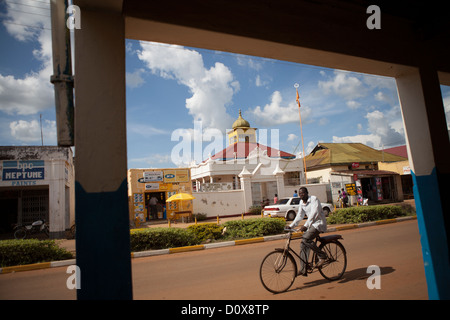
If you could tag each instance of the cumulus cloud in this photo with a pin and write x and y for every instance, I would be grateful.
(382, 133)
(345, 85)
(134, 79)
(212, 89)
(30, 131)
(33, 92)
(277, 112)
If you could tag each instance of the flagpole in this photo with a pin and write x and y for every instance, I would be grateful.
(301, 131)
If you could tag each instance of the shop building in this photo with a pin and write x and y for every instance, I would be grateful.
(37, 183)
(354, 167)
(145, 184)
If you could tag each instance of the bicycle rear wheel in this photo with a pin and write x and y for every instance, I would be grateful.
(336, 263)
(277, 272)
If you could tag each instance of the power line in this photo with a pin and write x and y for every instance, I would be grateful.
(23, 25)
(37, 14)
(27, 5)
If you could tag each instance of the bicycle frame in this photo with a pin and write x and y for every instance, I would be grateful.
(287, 250)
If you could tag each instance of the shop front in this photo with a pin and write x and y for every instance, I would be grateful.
(375, 186)
(148, 190)
(36, 183)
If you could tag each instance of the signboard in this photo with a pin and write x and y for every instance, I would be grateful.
(153, 176)
(176, 175)
(23, 172)
(350, 188)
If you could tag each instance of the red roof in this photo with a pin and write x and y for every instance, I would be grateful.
(398, 151)
(241, 150)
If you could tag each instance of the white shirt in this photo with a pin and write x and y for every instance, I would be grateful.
(313, 209)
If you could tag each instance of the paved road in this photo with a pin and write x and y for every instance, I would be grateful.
(232, 272)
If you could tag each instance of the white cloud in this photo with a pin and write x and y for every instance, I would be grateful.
(134, 79)
(345, 85)
(292, 137)
(353, 104)
(30, 131)
(276, 113)
(34, 92)
(252, 63)
(212, 89)
(372, 140)
(382, 132)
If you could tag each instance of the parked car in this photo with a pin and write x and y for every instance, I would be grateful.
(288, 208)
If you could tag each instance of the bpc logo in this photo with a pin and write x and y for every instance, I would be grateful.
(74, 19)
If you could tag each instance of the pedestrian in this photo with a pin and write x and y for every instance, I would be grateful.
(153, 210)
(275, 199)
(295, 194)
(316, 223)
(344, 198)
(339, 200)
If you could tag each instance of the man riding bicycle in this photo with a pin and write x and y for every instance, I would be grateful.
(315, 224)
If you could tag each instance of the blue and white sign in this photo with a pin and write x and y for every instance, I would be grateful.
(23, 170)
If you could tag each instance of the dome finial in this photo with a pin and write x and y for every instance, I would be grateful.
(241, 122)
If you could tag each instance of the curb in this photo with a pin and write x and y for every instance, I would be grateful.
(54, 264)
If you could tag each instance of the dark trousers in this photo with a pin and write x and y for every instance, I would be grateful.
(308, 244)
(153, 211)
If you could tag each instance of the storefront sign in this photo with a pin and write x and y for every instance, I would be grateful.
(23, 172)
(176, 175)
(350, 188)
(151, 186)
(152, 176)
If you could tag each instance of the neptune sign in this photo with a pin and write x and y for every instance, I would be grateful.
(23, 172)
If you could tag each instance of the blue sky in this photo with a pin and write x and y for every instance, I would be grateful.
(169, 87)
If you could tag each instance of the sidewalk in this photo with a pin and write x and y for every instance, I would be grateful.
(69, 244)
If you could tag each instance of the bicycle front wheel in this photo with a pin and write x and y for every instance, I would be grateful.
(277, 272)
(336, 262)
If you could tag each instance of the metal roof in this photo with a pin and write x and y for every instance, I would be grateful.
(327, 154)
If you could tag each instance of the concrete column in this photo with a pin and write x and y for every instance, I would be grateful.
(57, 199)
(246, 185)
(103, 238)
(428, 152)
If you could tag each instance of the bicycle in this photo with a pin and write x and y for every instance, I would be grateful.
(279, 268)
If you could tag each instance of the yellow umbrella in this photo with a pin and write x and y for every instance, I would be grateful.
(180, 196)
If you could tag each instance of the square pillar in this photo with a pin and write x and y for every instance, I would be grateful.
(428, 151)
(103, 236)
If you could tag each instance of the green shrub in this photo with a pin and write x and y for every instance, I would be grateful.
(161, 238)
(28, 251)
(255, 210)
(365, 214)
(205, 231)
(254, 227)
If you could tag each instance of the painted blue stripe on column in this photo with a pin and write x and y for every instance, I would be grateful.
(434, 235)
(103, 244)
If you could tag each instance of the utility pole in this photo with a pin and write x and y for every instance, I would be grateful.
(62, 77)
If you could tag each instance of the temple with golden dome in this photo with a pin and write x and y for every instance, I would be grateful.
(244, 174)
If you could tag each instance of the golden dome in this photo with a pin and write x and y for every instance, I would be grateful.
(241, 122)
